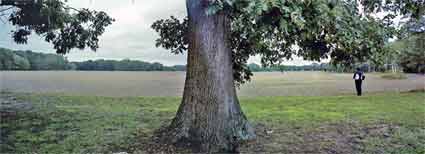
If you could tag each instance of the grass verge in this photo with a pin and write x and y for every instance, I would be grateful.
(394, 76)
(51, 123)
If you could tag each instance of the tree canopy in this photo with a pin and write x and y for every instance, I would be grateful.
(63, 26)
(278, 30)
(410, 8)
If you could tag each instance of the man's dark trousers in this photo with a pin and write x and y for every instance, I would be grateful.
(358, 87)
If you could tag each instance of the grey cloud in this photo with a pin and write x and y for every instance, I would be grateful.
(129, 37)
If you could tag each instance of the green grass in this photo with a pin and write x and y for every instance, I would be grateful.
(71, 124)
(403, 109)
(394, 76)
(92, 124)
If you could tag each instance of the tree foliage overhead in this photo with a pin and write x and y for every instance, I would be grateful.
(411, 8)
(65, 27)
(281, 29)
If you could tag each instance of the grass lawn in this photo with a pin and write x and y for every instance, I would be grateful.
(394, 76)
(375, 123)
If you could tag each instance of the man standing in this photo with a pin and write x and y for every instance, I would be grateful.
(358, 78)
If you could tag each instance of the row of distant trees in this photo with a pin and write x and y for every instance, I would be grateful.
(124, 65)
(312, 67)
(28, 60)
(409, 58)
(326, 67)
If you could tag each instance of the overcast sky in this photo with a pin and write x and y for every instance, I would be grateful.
(130, 36)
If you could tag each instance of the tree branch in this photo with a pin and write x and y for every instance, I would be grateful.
(6, 9)
(70, 8)
(3, 13)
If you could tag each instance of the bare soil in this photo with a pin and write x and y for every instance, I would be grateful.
(121, 84)
(349, 138)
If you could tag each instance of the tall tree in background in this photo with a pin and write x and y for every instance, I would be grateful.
(411, 49)
(220, 36)
(409, 33)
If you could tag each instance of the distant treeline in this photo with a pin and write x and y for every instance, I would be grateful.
(326, 67)
(124, 65)
(28, 60)
(312, 67)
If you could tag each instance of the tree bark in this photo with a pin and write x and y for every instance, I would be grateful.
(209, 117)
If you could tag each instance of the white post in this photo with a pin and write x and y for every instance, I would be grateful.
(392, 68)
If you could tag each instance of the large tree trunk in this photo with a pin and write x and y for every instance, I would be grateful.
(209, 117)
